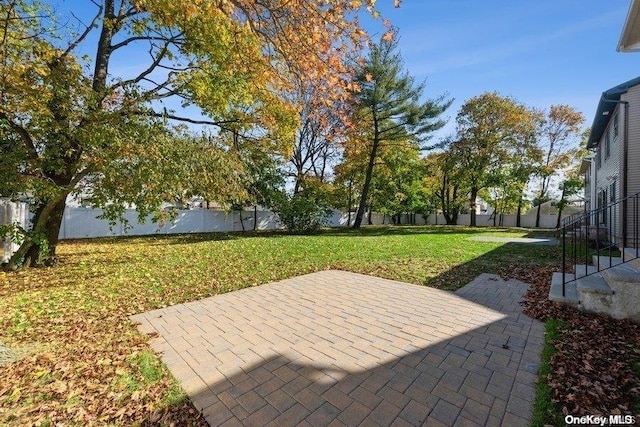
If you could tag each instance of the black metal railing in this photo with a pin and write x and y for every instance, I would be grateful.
(597, 239)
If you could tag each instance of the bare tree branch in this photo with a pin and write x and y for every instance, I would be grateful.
(84, 34)
(172, 40)
(169, 116)
(156, 61)
(24, 136)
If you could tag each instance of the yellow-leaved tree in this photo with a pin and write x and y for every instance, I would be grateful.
(75, 121)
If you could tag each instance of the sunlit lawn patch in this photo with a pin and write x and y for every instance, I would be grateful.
(90, 365)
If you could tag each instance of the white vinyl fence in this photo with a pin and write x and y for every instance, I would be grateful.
(12, 213)
(79, 223)
(526, 221)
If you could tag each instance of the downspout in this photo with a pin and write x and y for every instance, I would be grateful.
(624, 172)
(625, 161)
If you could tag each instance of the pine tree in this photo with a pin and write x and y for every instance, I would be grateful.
(390, 107)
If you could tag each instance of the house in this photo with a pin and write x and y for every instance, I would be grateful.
(630, 37)
(550, 208)
(601, 248)
(612, 170)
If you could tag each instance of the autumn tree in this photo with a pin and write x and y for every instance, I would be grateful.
(509, 183)
(573, 180)
(318, 139)
(389, 108)
(69, 126)
(260, 176)
(349, 172)
(487, 127)
(444, 181)
(396, 186)
(558, 131)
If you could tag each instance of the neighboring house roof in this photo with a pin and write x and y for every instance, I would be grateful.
(549, 208)
(630, 37)
(584, 165)
(606, 106)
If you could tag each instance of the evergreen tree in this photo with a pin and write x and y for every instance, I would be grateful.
(390, 107)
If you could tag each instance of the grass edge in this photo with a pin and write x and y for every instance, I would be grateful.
(545, 411)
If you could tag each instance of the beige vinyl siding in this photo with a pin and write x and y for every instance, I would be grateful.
(610, 172)
(633, 159)
(633, 163)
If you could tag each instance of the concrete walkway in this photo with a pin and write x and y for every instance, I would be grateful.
(339, 348)
(544, 241)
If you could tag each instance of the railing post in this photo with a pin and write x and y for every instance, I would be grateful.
(598, 240)
(635, 223)
(609, 224)
(586, 240)
(564, 258)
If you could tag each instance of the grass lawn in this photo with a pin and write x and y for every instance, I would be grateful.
(86, 363)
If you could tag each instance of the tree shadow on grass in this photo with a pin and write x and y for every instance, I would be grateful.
(507, 260)
(514, 259)
(365, 231)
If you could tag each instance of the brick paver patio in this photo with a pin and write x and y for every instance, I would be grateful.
(339, 348)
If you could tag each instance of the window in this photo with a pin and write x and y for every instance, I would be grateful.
(612, 192)
(602, 203)
(587, 175)
(598, 158)
(615, 126)
(607, 145)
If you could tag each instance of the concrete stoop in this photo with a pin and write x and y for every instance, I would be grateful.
(614, 291)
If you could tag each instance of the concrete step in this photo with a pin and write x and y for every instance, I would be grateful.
(582, 270)
(594, 284)
(622, 274)
(570, 296)
(632, 255)
(596, 295)
(606, 262)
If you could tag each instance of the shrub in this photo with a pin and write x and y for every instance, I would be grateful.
(301, 213)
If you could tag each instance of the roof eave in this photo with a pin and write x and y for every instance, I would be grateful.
(584, 165)
(606, 108)
(630, 36)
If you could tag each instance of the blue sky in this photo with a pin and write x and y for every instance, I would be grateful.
(540, 52)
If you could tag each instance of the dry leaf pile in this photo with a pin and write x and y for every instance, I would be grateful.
(596, 368)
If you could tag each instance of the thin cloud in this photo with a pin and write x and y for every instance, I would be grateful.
(506, 50)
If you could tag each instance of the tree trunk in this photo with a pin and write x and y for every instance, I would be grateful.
(255, 217)
(367, 183)
(519, 212)
(101, 70)
(559, 220)
(560, 208)
(472, 206)
(349, 202)
(447, 218)
(538, 214)
(39, 248)
(241, 220)
(296, 188)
